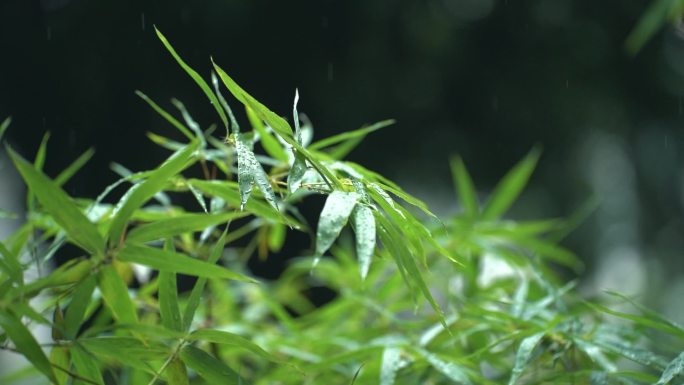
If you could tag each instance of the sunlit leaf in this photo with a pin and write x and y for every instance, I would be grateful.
(163, 260)
(60, 206)
(25, 343)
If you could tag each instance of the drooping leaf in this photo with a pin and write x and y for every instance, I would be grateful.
(212, 370)
(60, 206)
(168, 296)
(673, 369)
(525, 350)
(76, 310)
(86, 366)
(197, 290)
(465, 187)
(364, 227)
(145, 190)
(231, 339)
(510, 187)
(391, 358)
(250, 171)
(185, 223)
(196, 77)
(25, 343)
(336, 211)
(115, 294)
(176, 263)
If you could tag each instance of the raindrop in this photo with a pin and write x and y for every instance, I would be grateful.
(142, 21)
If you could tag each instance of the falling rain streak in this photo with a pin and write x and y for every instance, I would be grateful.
(142, 21)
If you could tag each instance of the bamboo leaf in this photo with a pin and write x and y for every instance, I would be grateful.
(176, 263)
(75, 313)
(455, 372)
(336, 211)
(168, 297)
(465, 187)
(115, 294)
(176, 373)
(250, 171)
(183, 224)
(391, 358)
(126, 350)
(510, 187)
(59, 357)
(86, 366)
(673, 369)
(25, 343)
(169, 118)
(268, 141)
(143, 191)
(208, 367)
(231, 339)
(60, 206)
(73, 168)
(650, 22)
(525, 350)
(348, 141)
(4, 125)
(196, 77)
(364, 227)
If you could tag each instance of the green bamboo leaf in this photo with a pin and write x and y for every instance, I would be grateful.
(60, 206)
(59, 358)
(208, 367)
(168, 296)
(198, 197)
(169, 118)
(391, 358)
(76, 311)
(673, 369)
(140, 193)
(634, 353)
(25, 343)
(128, 351)
(268, 141)
(115, 294)
(347, 141)
(510, 187)
(86, 366)
(176, 373)
(525, 350)
(73, 168)
(198, 289)
(363, 223)
(196, 77)
(449, 369)
(177, 263)
(465, 187)
(650, 22)
(596, 354)
(336, 211)
(4, 125)
(231, 339)
(250, 171)
(183, 224)
(11, 264)
(647, 321)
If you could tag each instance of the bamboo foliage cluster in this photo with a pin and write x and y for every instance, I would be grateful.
(416, 301)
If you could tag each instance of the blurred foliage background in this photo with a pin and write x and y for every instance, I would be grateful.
(482, 78)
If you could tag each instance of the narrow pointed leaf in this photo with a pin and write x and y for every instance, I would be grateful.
(391, 358)
(364, 227)
(196, 77)
(177, 263)
(673, 369)
(523, 356)
(168, 296)
(250, 171)
(449, 369)
(225, 338)
(86, 366)
(183, 224)
(208, 367)
(336, 211)
(115, 294)
(169, 118)
(268, 141)
(73, 168)
(145, 190)
(197, 290)
(350, 135)
(59, 358)
(176, 373)
(510, 187)
(25, 343)
(4, 125)
(80, 300)
(60, 206)
(465, 187)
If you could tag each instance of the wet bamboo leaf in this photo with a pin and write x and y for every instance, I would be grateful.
(465, 187)
(208, 367)
(523, 355)
(336, 211)
(364, 227)
(176, 263)
(296, 174)
(391, 358)
(140, 193)
(673, 369)
(60, 206)
(115, 294)
(25, 343)
(268, 141)
(196, 77)
(185, 223)
(250, 171)
(75, 313)
(510, 187)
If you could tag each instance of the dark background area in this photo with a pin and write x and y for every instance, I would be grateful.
(481, 78)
